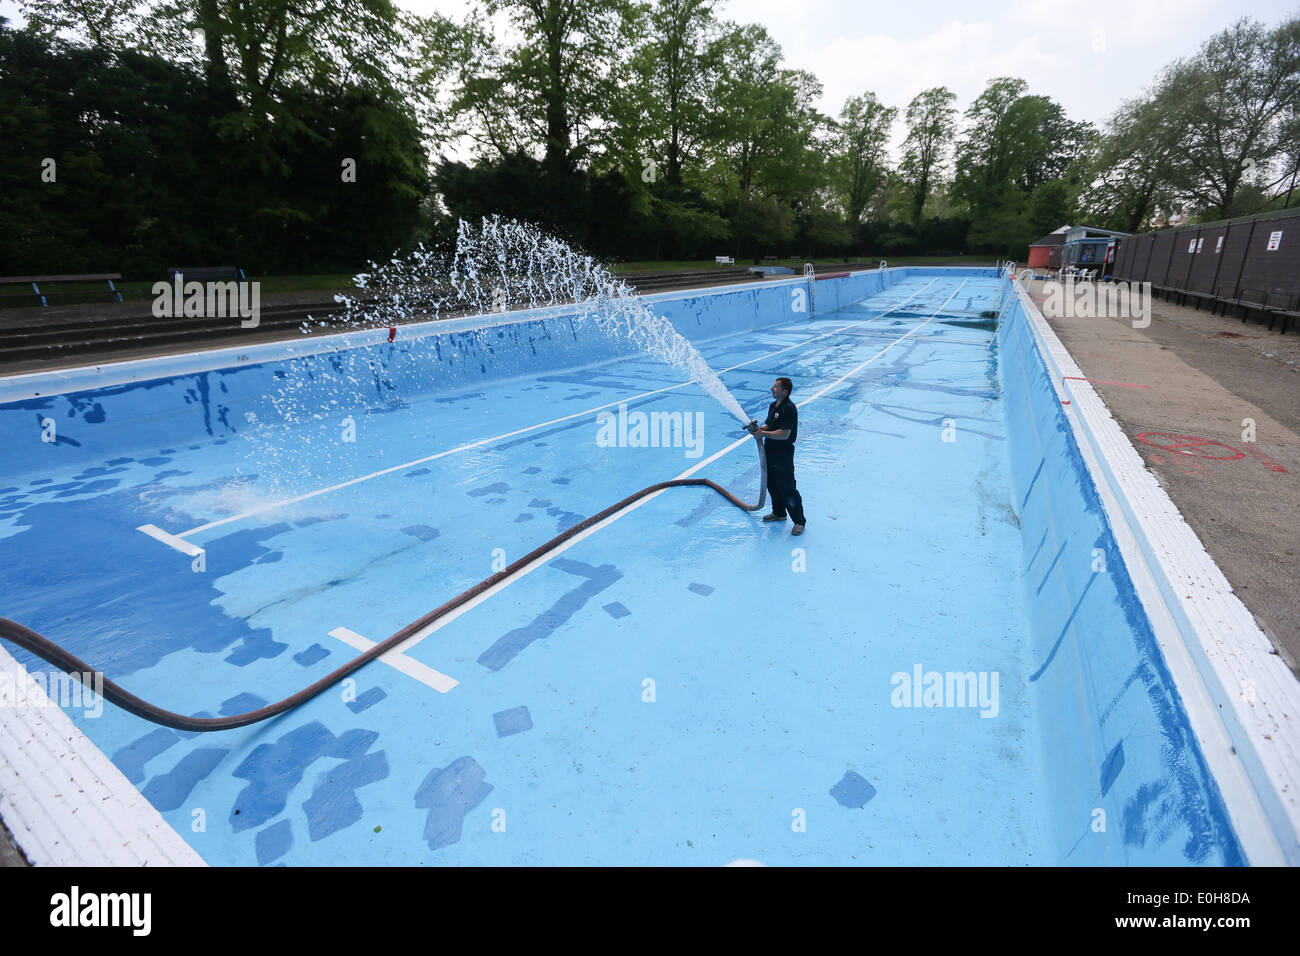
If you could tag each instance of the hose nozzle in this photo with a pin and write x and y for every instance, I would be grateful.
(752, 427)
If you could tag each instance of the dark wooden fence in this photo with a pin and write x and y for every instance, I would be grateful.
(1247, 263)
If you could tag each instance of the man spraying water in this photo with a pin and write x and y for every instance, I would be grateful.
(779, 433)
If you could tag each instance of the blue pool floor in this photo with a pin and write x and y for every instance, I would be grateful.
(684, 686)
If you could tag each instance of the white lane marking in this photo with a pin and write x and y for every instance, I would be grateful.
(588, 532)
(396, 659)
(171, 540)
(555, 421)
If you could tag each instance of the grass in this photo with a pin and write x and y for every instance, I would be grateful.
(700, 264)
(64, 292)
(872, 260)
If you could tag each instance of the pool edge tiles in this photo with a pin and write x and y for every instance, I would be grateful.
(1192, 637)
(65, 802)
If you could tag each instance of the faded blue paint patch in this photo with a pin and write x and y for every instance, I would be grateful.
(522, 517)
(513, 721)
(316, 519)
(190, 734)
(496, 488)
(241, 704)
(273, 842)
(448, 794)
(532, 470)
(853, 791)
(333, 804)
(273, 770)
(311, 655)
(367, 700)
(559, 481)
(421, 531)
(509, 645)
(168, 791)
(564, 519)
(616, 610)
(91, 487)
(1111, 767)
(132, 758)
(417, 473)
(702, 589)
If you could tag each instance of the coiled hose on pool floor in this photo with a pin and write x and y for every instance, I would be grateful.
(47, 650)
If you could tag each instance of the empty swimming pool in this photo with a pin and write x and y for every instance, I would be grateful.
(949, 667)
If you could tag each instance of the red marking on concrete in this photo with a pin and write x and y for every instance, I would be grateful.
(1267, 462)
(1189, 445)
(392, 332)
(1064, 402)
(1097, 381)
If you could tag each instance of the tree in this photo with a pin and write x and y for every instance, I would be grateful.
(1127, 173)
(1236, 101)
(675, 69)
(764, 119)
(140, 185)
(108, 24)
(930, 121)
(767, 158)
(985, 154)
(567, 70)
(861, 158)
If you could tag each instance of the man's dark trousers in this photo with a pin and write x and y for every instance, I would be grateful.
(780, 482)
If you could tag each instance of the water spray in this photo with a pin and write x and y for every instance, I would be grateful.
(501, 264)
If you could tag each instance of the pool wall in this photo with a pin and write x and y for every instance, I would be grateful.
(1129, 785)
(172, 400)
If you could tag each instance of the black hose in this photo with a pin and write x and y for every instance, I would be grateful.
(63, 659)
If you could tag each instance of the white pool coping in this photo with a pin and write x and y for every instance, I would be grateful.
(1241, 699)
(64, 801)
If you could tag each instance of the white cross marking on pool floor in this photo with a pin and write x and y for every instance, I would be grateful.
(396, 659)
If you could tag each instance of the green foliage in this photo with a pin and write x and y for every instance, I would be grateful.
(149, 173)
(214, 130)
(860, 163)
(931, 118)
(1012, 164)
(1218, 135)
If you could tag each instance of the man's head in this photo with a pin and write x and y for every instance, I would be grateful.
(782, 388)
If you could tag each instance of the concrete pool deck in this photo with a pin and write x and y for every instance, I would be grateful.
(1191, 379)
